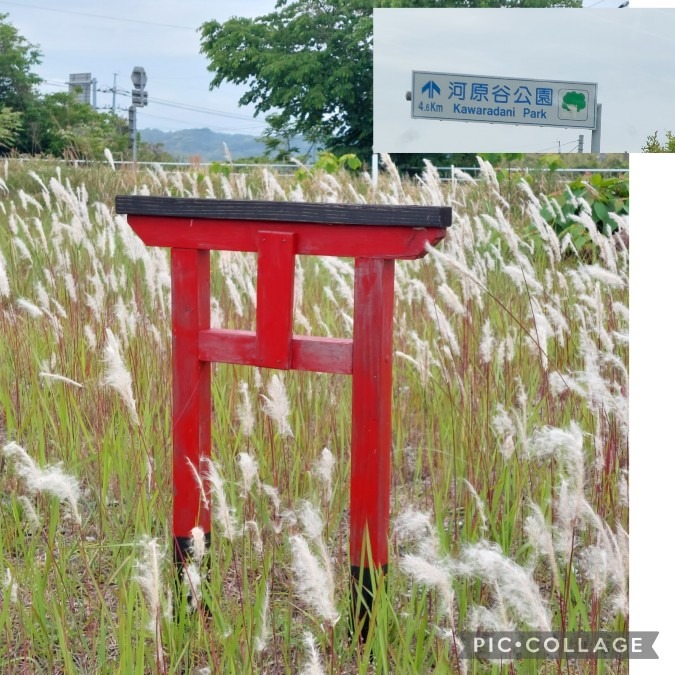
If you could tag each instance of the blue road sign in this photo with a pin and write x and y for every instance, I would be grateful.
(482, 98)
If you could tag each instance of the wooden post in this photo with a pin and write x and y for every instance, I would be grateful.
(190, 311)
(371, 431)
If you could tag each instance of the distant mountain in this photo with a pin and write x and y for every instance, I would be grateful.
(204, 143)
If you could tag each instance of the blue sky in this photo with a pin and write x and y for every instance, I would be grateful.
(161, 35)
(77, 36)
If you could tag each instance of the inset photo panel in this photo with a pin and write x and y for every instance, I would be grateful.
(527, 80)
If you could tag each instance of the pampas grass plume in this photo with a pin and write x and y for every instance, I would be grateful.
(149, 577)
(50, 479)
(312, 581)
(220, 510)
(277, 406)
(313, 665)
(116, 374)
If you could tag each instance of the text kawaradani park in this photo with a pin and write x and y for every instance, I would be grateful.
(475, 98)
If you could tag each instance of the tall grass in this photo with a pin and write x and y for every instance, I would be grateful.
(510, 462)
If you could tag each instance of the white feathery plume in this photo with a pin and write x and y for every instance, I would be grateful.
(263, 636)
(457, 647)
(491, 619)
(516, 585)
(11, 587)
(4, 280)
(540, 537)
(149, 470)
(252, 526)
(480, 506)
(313, 665)
(235, 296)
(311, 521)
(412, 525)
(249, 472)
(569, 445)
(416, 527)
(217, 314)
(245, 411)
(622, 488)
(313, 581)
(220, 510)
(109, 157)
(273, 495)
(192, 580)
(277, 406)
(50, 479)
(116, 375)
(451, 299)
(604, 276)
(30, 513)
(31, 309)
(198, 544)
(149, 578)
(323, 470)
(506, 431)
(90, 337)
(435, 575)
(22, 249)
(487, 343)
(59, 378)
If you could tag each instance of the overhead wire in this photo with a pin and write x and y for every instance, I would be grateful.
(23, 5)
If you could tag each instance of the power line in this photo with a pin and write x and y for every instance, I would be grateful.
(170, 104)
(555, 147)
(96, 16)
(191, 108)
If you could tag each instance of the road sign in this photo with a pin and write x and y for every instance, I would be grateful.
(79, 84)
(139, 78)
(139, 97)
(477, 98)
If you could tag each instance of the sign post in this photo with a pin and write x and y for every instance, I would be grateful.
(376, 236)
(139, 98)
(506, 100)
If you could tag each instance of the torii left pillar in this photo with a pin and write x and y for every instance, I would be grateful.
(375, 236)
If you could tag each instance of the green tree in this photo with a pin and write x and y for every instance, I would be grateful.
(311, 62)
(654, 145)
(17, 58)
(60, 125)
(10, 126)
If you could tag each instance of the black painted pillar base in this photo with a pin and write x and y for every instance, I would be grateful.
(363, 586)
(182, 556)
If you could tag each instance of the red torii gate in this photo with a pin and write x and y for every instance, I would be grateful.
(376, 236)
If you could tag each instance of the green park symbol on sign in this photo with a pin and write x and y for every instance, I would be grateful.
(573, 105)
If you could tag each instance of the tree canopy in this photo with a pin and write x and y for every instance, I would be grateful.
(653, 143)
(17, 58)
(53, 124)
(311, 63)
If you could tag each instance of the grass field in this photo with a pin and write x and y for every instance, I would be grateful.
(510, 440)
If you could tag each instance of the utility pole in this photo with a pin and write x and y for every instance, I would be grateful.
(114, 90)
(581, 143)
(93, 93)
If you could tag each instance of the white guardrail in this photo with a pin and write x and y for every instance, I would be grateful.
(446, 172)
